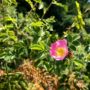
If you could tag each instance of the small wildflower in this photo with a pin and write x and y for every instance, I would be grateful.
(59, 49)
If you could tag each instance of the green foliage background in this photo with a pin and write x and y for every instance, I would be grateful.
(28, 31)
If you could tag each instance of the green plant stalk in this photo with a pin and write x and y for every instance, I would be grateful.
(7, 74)
(32, 9)
(46, 10)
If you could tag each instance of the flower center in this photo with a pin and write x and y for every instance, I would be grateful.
(60, 51)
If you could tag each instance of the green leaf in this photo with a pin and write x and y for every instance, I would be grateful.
(12, 36)
(73, 47)
(87, 21)
(9, 19)
(50, 20)
(75, 43)
(39, 46)
(88, 57)
(76, 37)
(60, 5)
(42, 45)
(38, 1)
(36, 47)
(37, 24)
(11, 33)
(41, 6)
(23, 85)
(78, 64)
(31, 4)
(69, 37)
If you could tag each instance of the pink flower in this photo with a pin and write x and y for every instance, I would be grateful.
(59, 49)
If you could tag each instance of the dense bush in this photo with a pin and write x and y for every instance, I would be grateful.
(28, 28)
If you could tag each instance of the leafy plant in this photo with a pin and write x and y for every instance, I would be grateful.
(13, 81)
(29, 35)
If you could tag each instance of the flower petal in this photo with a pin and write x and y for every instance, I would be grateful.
(59, 49)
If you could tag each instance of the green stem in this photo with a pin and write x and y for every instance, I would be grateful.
(34, 6)
(46, 10)
(6, 68)
(6, 72)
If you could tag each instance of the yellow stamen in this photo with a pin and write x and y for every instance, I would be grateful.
(60, 51)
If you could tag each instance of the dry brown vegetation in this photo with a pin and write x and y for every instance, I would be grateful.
(42, 80)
